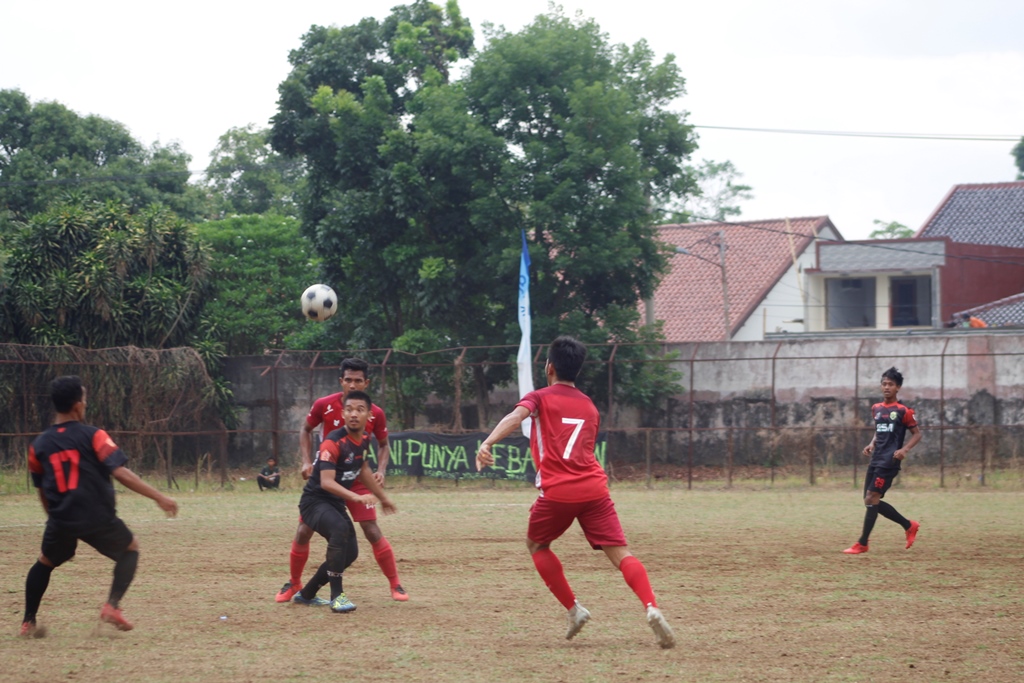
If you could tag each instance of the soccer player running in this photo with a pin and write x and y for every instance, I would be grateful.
(572, 485)
(892, 422)
(71, 465)
(326, 411)
(330, 488)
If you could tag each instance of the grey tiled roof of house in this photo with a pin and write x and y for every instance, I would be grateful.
(850, 257)
(990, 214)
(1007, 312)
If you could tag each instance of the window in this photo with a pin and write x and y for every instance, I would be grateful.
(911, 299)
(850, 302)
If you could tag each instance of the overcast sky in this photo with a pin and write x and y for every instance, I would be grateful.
(188, 71)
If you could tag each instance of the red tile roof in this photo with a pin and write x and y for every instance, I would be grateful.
(758, 253)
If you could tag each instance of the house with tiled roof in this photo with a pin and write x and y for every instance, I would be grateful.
(736, 281)
(988, 213)
(1006, 312)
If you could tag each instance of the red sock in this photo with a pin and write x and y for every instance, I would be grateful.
(297, 562)
(635, 574)
(550, 569)
(385, 557)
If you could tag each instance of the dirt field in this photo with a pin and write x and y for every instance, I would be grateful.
(753, 582)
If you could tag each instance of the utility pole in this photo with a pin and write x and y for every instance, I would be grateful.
(725, 282)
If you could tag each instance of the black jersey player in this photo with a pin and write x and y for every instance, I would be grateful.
(338, 465)
(72, 464)
(887, 449)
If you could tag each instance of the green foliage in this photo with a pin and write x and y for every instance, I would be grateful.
(46, 150)
(1018, 155)
(95, 274)
(890, 231)
(259, 267)
(717, 198)
(418, 186)
(246, 176)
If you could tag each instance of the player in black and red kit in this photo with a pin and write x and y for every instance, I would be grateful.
(572, 485)
(71, 465)
(339, 464)
(892, 422)
(326, 414)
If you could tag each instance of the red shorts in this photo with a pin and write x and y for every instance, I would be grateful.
(360, 512)
(598, 519)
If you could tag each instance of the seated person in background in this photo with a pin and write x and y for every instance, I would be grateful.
(270, 476)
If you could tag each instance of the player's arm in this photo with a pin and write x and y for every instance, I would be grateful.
(383, 458)
(870, 448)
(915, 437)
(508, 424)
(305, 448)
(42, 499)
(130, 480)
(369, 480)
(332, 487)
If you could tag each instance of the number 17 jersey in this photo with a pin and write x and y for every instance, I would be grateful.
(565, 425)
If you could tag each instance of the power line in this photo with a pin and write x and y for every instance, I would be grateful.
(965, 137)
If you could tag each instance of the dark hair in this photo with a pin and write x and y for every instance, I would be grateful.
(65, 392)
(359, 396)
(356, 364)
(566, 355)
(270, 457)
(893, 374)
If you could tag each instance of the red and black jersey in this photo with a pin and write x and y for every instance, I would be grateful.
(565, 425)
(339, 456)
(71, 464)
(327, 411)
(892, 421)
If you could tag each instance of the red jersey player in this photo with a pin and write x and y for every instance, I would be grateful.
(572, 484)
(326, 413)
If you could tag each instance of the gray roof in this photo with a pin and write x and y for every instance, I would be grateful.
(990, 214)
(1008, 312)
(851, 257)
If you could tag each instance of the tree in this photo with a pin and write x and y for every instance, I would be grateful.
(94, 274)
(246, 176)
(47, 150)
(890, 231)
(418, 187)
(1018, 154)
(717, 196)
(259, 266)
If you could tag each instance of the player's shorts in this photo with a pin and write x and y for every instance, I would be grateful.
(597, 518)
(879, 479)
(325, 517)
(110, 540)
(359, 511)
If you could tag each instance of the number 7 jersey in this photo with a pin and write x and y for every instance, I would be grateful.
(565, 425)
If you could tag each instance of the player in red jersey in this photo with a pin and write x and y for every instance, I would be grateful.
(892, 422)
(71, 465)
(572, 484)
(326, 413)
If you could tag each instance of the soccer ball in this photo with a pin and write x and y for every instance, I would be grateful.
(319, 302)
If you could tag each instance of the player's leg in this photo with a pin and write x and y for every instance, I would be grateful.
(117, 542)
(342, 550)
(547, 522)
(297, 559)
(57, 548)
(366, 515)
(873, 483)
(910, 527)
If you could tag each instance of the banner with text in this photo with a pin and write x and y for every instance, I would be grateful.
(453, 456)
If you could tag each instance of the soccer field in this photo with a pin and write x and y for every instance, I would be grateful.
(753, 582)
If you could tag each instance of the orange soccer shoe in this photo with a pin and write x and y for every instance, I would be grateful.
(112, 615)
(856, 549)
(398, 593)
(29, 629)
(912, 533)
(287, 592)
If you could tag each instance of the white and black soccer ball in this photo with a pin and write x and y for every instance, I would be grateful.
(319, 302)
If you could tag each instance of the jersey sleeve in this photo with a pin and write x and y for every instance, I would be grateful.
(910, 419)
(35, 467)
(316, 414)
(107, 451)
(380, 424)
(329, 453)
(531, 402)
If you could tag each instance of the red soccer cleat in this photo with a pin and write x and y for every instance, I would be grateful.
(398, 593)
(287, 592)
(912, 533)
(112, 615)
(856, 549)
(29, 629)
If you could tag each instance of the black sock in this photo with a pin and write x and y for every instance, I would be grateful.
(35, 585)
(336, 589)
(316, 583)
(870, 515)
(889, 512)
(124, 572)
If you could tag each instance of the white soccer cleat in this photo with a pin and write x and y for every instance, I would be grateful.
(662, 631)
(578, 616)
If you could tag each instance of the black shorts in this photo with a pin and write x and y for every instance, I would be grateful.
(879, 479)
(111, 540)
(324, 517)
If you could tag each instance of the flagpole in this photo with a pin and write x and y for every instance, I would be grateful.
(524, 359)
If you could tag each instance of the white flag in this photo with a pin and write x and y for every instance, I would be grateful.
(524, 360)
